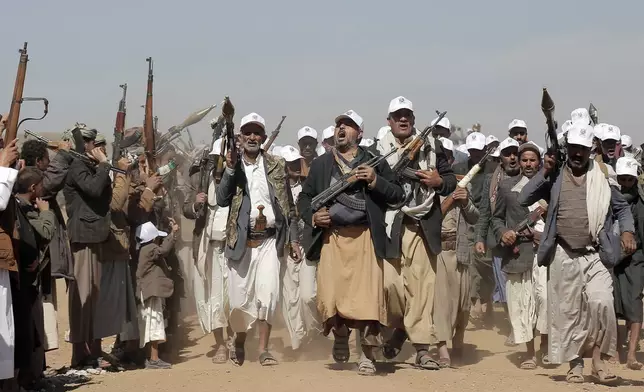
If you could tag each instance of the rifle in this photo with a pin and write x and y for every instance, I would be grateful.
(16, 102)
(527, 224)
(552, 145)
(448, 202)
(78, 141)
(175, 131)
(206, 163)
(334, 191)
(413, 148)
(227, 113)
(274, 134)
(119, 127)
(148, 122)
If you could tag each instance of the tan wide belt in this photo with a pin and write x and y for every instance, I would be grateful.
(256, 238)
(448, 245)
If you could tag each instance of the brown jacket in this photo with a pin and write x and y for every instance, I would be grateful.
(128, 201)
(152, 273)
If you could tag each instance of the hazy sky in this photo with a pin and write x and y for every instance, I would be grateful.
(480, 61)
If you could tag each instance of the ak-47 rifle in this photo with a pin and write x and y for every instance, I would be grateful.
(148, 122)
(119, 127)
(448, 202)
(16, 102)
(336, 190)
(552, 145)
(229, 145)
(274, 134)
(524, 228)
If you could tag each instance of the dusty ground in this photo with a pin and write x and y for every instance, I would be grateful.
(490, 366)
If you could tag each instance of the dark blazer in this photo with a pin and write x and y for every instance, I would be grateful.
(386, 191)
(88, 193)
(430, 223)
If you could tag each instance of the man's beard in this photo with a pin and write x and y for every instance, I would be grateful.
(512, 171)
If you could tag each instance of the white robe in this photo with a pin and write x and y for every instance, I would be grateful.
(7, 332)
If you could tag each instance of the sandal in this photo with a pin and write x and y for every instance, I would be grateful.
(545, 361)
(237, 355)
(221, 355)
(367, 367)
(575, 375)
(267, 359)
(393, 346)
(604, 376)
(634, 364)
(341, 351)
(529, 364)
(444, 363)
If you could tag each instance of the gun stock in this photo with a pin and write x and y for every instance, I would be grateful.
(463, 181)
(148, 123)
(274, 135)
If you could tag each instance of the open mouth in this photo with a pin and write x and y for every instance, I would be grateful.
(342, 134)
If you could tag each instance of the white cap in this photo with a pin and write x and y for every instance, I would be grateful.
(276, 150)
(475, 141)
(566, 126)
(366, 142)
(516, 123)
(382, 132)
(444, 122)
(581, 134)
(216, 147)
(506, 143)
(626, 167)
(399, 103)
(580, 115)
(609, 132)
(290, 153)
(253, 118)
(353, 116)
(627, 141)
(307, 132)
(447, 144)
(147, 232)
(320, 150)
(463, 148)
(328, 132)
(490, 139)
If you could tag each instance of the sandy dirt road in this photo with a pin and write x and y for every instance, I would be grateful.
(490, 366)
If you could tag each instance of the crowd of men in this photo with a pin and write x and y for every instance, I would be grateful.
(392, 256)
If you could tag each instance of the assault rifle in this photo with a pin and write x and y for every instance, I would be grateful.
(413, 148)
(119, 127)
(524, 228)
(274, 134)
(148, 122)
(334, 191)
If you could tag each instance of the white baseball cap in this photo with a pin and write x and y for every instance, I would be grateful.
(253, 118)
(627, 166)
(580, 115)
(366, 142)
(399, 103)
(627, 141)
(490, 139)
(516, 123)
(353, 116)
(506, 143)
(216, 147)
(581, 134)
(276, 150)
(463, 148)
(290, 153)
(475, 141)
(307, 132)
(610, 132)
(447, 144)
(328, 132)
(444, 122)
(382, 132)
(148, 232)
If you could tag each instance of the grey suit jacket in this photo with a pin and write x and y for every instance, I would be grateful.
(540, 187)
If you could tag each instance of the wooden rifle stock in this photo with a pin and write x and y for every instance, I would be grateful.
(119, 127)
(148, 123)
(274, 135)
(463, 181)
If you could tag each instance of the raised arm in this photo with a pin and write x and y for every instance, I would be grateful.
(226, 188)
(120, 192)
(54, 176)
(7, 179)
(536, 189)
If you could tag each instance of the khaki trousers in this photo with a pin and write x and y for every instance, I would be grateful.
(452, 303)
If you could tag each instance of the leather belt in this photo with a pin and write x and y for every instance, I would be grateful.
(256, 238)
(448, 236)
(448, 245)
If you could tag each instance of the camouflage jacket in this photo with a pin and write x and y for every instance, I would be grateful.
(233, 192)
